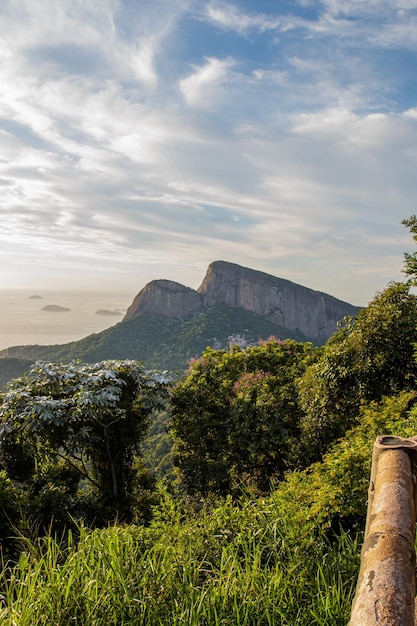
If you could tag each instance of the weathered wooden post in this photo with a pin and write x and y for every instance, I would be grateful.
(386, 585)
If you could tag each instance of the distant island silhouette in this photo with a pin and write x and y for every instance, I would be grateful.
(107, 312)
(54, 308)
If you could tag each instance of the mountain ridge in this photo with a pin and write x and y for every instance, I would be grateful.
(169, 323)
(288, 304)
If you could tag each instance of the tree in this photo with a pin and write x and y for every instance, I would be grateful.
(333, 493)
(368, 358)
(410, 267)
(236, 416)
(86, 420)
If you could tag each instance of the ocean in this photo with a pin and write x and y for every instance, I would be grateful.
(23, 322)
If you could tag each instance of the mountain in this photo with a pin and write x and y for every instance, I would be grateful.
(168, 323)
(282, 302)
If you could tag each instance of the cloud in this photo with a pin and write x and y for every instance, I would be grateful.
(101, 39)
(371, 24)
(147, 141)
(372, 8)
(230, 17)
(201, 86)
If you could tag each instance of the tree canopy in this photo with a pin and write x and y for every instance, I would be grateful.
(410, 260)
(370, 357)
(236, 416)
(254, 414)
(88, 420)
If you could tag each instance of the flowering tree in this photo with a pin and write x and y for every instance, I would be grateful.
(236, 416)
(90, 418)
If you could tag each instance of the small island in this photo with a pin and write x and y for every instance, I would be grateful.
(107, 312)
(35, 297)
(54, 308)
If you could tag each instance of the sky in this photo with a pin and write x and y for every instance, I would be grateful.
(145, 139)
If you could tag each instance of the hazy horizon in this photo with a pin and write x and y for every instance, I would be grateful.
(24, 323)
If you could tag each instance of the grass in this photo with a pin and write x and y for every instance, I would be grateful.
(234, 565)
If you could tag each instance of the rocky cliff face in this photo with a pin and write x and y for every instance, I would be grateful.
(285, 303)
(165, 298)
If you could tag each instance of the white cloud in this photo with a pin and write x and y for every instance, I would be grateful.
(371, 8)
(271, 76)
(87, 38)
(142, 62)
(229, 16)
(388, 24)
(200, 86)
(403, 35)
(124, 149)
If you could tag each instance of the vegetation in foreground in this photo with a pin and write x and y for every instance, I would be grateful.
(273, 448)
(280, 559)
(234, 565)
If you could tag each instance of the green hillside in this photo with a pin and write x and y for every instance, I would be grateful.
(162, 343)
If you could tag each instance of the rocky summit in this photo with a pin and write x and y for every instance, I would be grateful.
(167, 323)
(280, 301)
(165, 298)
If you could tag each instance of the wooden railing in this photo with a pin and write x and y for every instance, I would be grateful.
(386, 587)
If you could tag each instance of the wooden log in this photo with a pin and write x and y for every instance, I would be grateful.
(386, 587)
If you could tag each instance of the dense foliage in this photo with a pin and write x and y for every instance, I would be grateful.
(235, 417)
(410, 265)
(12, 368)
(282, 559)
(368, 358)
(230, 565)
(333, 493)
(253, 414)
(74, 428)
